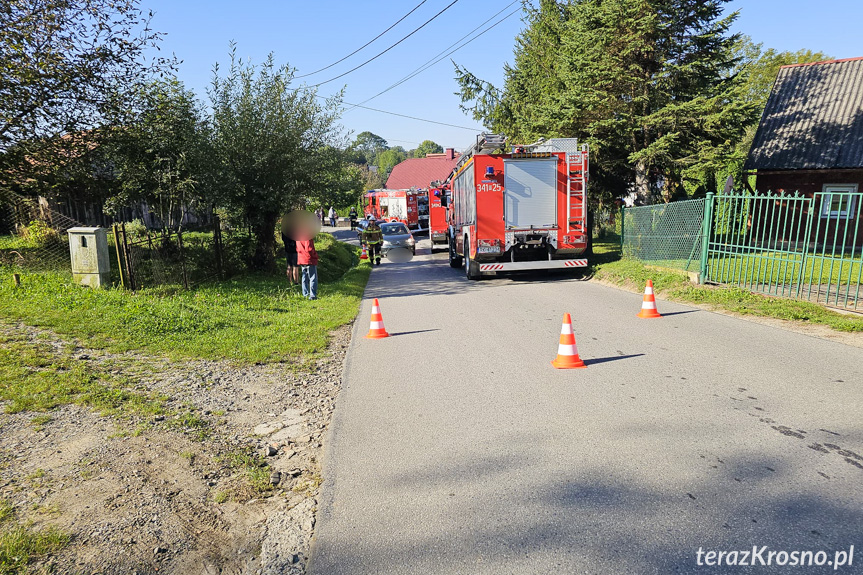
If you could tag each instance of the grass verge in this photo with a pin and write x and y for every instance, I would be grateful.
(19, 544)
(673, 285)
(255, 318)
(34, 376)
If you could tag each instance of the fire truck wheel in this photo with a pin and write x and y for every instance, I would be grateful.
(454, 260)
(471, 269)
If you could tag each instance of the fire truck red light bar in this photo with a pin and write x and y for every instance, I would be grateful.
(538, 265)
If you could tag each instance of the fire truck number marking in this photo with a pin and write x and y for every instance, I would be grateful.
(489, 187)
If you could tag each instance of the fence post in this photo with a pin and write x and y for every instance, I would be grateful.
(128, 259)
(707, 228)
(119, 259)
(182, 259)
(622, 228)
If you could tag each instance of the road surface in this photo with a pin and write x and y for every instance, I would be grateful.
(456, 448)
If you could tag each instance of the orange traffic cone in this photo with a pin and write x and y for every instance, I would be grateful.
(648, 305)
(365, 254)
(376, 329)
(567, 353)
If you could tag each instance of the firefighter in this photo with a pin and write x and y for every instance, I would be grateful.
(372, 238)
(353, 216)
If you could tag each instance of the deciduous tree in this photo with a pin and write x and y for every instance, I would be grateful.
(272, 142)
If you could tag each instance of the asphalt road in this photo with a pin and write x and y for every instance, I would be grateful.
(457, 448)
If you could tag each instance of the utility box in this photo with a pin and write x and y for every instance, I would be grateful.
(91, 261)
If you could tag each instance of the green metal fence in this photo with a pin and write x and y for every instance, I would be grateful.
(667, 235)
(804, 247)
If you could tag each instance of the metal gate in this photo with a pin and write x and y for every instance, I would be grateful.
(788, 245)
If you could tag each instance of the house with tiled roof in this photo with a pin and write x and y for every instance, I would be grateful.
(810, 140)
(418, 173)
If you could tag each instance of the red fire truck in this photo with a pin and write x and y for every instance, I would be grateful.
(438, 223)
(524, 209)
(394, 206)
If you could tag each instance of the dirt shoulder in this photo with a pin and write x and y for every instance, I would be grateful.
(231, 486)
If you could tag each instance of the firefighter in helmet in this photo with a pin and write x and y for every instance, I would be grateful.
(372, 238)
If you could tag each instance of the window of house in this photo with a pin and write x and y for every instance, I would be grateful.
(839, 201)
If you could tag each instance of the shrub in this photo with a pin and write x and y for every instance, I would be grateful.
(40, 235)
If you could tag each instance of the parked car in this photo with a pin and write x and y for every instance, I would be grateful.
(397, 236)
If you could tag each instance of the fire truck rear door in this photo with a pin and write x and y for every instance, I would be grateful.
(530, 193)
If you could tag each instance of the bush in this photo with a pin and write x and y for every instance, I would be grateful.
(136, 229)
(40, 235)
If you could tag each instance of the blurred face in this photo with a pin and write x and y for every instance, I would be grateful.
(300, 225)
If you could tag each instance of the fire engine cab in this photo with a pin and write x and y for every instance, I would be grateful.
(516, 208)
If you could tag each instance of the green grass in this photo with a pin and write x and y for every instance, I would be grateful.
(784, 268)
(674, 285)
(254, 476)
(20, 543)
(254, 318)
(35, 377)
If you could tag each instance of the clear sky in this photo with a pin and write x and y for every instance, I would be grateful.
(311, 35)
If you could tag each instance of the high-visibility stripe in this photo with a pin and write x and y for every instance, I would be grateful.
(648, 305)
(567, 349)
(648, 290)
(534, 265)
(377, 325)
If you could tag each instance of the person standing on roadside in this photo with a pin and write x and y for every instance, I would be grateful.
(307, 258)
(291, 256)
(353, 216)
(332, 216)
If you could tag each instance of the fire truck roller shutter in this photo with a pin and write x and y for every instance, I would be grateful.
(531, 193)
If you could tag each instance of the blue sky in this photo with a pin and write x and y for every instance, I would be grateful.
(311, 35)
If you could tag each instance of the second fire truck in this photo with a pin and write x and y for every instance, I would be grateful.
(518, 208)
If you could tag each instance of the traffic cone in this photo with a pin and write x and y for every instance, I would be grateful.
(648, 305)
(365, 254)
(567, 353)
(376, 329)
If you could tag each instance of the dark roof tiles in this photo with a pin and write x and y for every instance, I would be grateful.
(813, 119)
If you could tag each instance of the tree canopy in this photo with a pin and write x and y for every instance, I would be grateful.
(650, 84)
(163, 156)
(427, 147)
(273, 144)
(69, 63)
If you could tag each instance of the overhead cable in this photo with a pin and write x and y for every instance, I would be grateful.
(366, 44)
(388, 49)
(444, 54)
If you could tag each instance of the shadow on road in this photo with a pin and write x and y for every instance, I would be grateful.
(607, 359)
(615, 522)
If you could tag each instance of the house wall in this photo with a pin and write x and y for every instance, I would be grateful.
(809, 182)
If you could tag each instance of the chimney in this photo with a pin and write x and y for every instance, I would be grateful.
(450, 153)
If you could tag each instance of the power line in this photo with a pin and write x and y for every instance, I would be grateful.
(366, 44)
(388, 49)
(474, 129)
(441, 55)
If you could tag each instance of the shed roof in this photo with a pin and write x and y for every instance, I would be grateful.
(813, 119)
(420, 172)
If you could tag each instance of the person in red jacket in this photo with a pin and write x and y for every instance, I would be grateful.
(307, 259)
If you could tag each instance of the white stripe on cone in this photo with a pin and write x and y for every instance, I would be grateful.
(648, 290)
(564, 349)
(566, 329)
(648, 305)
(377, 325)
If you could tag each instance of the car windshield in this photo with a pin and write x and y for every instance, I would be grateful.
(392, 229)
